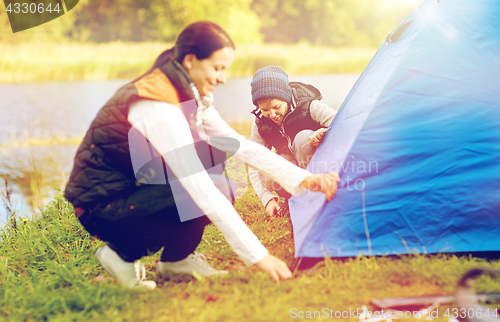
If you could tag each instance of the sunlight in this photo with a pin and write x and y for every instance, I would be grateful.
(413, 3)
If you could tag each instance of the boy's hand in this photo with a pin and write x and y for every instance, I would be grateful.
(275, 267)
(272, 207)
(317, 137)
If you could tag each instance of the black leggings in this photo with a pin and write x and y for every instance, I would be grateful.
(148, 220)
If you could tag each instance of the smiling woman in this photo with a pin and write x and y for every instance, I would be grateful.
(209, 72)
(119, 188)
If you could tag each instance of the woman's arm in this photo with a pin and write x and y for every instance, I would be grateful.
(289, 176)
(265, 195)
(166, 128)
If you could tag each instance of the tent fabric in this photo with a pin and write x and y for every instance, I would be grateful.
(416, 143)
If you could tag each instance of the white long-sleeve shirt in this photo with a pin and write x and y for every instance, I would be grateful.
(166, 127)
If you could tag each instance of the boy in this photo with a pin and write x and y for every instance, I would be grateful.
(290, 117)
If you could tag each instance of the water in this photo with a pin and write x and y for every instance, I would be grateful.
(46, 110)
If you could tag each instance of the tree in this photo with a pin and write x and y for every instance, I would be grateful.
(160, 20)
(329, 22)
(235, 16)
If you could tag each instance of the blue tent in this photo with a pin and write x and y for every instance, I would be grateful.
(416, 143)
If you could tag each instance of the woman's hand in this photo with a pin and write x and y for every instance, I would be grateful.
(272, 207)
(324, 182)
(317, 137)
(275, 267)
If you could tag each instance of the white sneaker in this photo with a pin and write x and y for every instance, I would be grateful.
(126, 274)
(195, 262)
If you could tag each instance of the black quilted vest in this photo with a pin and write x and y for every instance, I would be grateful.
(297, 119)
(102, 169)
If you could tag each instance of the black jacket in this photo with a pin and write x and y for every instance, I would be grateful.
(103, 168)
(297, 119)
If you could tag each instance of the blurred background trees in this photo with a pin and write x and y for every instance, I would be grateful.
(333, 23)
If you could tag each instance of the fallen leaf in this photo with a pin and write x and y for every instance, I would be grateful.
(212, 298)
(100, 279)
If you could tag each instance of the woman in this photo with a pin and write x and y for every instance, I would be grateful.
(290, 117)
(128, 203)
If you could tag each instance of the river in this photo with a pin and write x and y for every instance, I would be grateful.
(34, 114)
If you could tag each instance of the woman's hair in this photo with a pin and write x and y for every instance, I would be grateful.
(201, 38)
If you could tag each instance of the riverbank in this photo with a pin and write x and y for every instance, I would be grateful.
(44, 62)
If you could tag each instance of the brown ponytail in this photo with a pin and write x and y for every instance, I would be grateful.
(201, 38)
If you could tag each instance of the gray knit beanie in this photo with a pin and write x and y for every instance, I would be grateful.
(270, 82)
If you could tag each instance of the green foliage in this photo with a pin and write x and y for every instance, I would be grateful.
(71, 61)
(49, 272)
(55, 30)
(234, 16)
(339, 23)
(160, 20)
(104, 21)
(321, 60)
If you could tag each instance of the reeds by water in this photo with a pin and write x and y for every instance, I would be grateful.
(43, 62)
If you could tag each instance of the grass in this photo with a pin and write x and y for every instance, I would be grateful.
(34, 141)
(71, 62)
(92, 62)
(49, 272)
(300, 59)
(36, 174)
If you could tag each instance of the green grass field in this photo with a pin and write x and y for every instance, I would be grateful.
(49, 272)
(44, 62)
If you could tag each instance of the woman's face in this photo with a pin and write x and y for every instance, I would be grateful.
(209, 72)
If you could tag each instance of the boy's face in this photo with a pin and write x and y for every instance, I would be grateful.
(274, 109)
